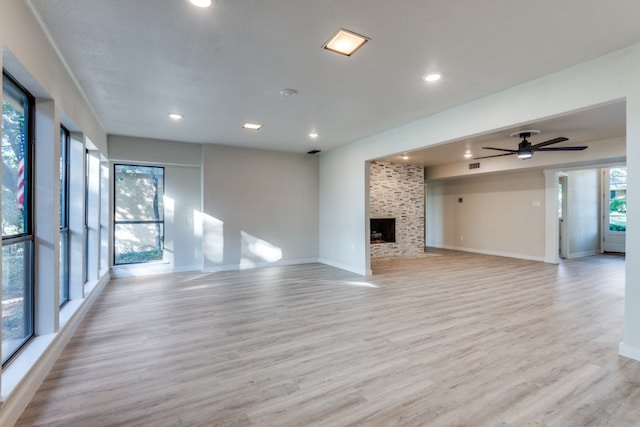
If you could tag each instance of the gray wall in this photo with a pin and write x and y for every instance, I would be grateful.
(183, 199)
(260, 207)
(230, 207)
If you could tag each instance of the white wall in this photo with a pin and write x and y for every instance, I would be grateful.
(144, 150)
(583, 212)
(344, 206)
(343, 186)
(260, 207)
(29, 56)
(183, 202)
(500, 214)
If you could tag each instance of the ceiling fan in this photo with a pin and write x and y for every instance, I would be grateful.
(525, 149)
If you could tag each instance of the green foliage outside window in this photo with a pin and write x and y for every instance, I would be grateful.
(139, 214)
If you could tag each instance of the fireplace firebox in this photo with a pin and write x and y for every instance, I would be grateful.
(383, 230)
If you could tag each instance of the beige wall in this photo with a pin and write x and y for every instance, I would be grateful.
(499, 214)
(583, 212)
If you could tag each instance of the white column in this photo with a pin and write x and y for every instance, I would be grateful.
(630, 346)
(46, 176)
(76, 216)
(105, 256)
(93, 216)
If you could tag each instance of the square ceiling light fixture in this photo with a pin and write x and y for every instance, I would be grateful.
(345, 42)
(252, 126)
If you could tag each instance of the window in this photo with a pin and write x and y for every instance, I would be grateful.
(139, 214)
(17, 230)
(64, 214)
(87, 176)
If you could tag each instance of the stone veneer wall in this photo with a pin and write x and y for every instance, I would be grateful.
(397, 191)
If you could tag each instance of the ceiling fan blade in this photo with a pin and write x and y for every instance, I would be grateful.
(549, 142)
(499, 149)
(496, 155)
(575, 148)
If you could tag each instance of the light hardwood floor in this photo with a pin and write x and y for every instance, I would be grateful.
(447, 339)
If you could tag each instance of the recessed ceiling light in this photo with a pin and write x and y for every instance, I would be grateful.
(252, 126)
(288, 93)
(468, 155)
(200, 3)
(175, 116)
(432, 77)
(345, 42)
(313, 134)
(405, 156)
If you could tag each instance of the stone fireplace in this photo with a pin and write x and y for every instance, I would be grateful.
(396, 195)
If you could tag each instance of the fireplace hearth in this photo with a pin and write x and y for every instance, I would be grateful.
(383, 230)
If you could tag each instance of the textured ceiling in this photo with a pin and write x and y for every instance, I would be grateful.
(220, 67)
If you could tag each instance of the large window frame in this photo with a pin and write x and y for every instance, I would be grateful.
(120, 223)
(85, 253)
(65, 233)
(19, 244)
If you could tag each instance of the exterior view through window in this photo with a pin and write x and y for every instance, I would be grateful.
(618, 199)
(139, 214)
(64, 215)
(17, 234)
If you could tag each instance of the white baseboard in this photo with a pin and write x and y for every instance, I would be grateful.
(137, 270)
(362, 272)
(22, 378)
(232, 267)
(582, 254)
(628, 351)
(494, 253)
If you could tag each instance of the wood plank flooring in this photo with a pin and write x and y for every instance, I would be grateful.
(445, 339)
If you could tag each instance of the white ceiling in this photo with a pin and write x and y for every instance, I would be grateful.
(138, 60)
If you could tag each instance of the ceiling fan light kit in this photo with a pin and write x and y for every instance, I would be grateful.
(526, 150)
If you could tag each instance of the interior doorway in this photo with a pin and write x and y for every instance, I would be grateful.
(562, 221)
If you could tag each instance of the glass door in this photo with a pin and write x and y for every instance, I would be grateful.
(615, 209)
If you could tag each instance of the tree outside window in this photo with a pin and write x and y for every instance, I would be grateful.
(17, 238)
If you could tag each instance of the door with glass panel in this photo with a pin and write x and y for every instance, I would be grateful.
(614, 209)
